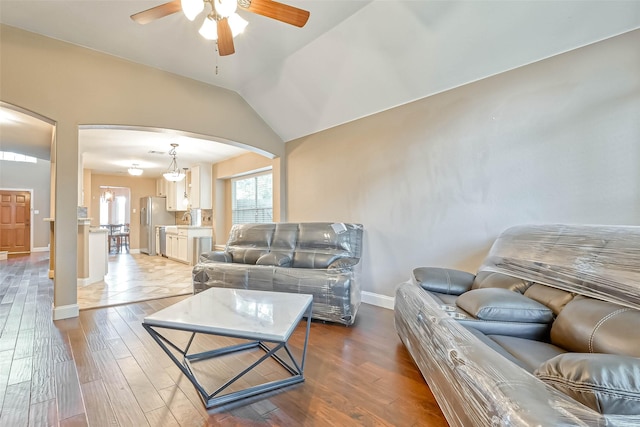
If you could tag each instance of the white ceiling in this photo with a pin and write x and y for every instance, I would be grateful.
(111, 150)
(148, 149)
(352, 59)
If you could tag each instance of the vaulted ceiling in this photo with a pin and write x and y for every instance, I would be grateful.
(353, 58)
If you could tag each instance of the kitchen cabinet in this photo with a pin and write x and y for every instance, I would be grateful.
(175, 196)
(180, 242)
(161, 187)
(176, 247)
(200, 187)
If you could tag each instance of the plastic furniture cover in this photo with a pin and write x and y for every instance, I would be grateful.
(474, 385)
(325, 260)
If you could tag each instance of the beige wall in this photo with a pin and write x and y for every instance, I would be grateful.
(435, 181)
(75, 86)
(139, 186)
(237, 166)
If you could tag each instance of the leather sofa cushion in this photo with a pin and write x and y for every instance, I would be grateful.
(503, 305)
(532, 331)
(320, 244)
(588, 325)
(310, 259)
(607, 383)
(553, 298)
(320, 235)
(253, 235)
(276, 259)
(444, 299)
(489, 279)
(489, 342)
(530, 353)
(217, 256)
(443, 280)
(247, 256)
(285, 238)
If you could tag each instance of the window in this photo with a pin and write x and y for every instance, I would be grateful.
(114, 209)
(252, 199)
(15, 157)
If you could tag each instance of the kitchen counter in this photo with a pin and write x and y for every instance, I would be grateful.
(173, 229)
(180, 241)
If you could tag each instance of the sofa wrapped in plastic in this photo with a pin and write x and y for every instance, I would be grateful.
(482, 373)
(320, 259)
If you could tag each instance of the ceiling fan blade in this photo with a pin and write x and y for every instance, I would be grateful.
(225, 38)
(279, 11)
(157, 12)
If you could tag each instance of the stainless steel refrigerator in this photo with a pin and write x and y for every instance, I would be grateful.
(153, 212)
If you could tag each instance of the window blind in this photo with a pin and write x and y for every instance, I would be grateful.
(252, 199)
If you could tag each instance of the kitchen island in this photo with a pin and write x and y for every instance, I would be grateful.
(181, 242)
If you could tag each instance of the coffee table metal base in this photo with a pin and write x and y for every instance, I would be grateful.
(214, 399)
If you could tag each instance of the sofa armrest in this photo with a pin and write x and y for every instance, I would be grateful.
(343, 263)
(443, 280)
(216, 256)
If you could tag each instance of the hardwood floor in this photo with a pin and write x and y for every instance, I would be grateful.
(103, 369)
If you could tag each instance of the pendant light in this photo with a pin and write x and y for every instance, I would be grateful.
(174, 174)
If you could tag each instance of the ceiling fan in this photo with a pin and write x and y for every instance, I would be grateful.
(222, 23)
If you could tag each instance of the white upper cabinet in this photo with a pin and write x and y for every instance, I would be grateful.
(200, 187)
(161, 187)
(175, 196)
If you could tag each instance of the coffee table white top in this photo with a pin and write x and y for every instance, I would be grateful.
(242, 313)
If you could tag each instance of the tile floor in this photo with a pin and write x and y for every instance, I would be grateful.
(134, 278)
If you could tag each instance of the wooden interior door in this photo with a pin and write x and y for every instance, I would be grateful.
(15, 221)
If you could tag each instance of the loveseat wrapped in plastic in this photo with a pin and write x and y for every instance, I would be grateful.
(476, 385)
(320, 259)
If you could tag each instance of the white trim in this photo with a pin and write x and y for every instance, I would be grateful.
(42, 249)
(4, 255)
(383, 301)
(134, 251)
(84, 281)
(66, 311)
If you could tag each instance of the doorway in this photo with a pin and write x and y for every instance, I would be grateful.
(15, 221)
(115, 203)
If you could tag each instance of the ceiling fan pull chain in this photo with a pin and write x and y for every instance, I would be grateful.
(217, 57)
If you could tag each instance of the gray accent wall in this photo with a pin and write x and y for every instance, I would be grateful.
(435, 181)
(35, 177)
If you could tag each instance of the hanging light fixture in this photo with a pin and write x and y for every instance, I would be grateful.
(173, 174)
(107, 195)
(135, 170)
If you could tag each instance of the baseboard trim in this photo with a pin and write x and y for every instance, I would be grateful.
(383, 301)
(134, 251)
(84, 282)
(66, 311)
(42, 249)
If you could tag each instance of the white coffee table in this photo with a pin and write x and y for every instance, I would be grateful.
(265, 319)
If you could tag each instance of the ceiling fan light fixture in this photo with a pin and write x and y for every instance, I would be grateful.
(225, 8)
(192, 8)
(237, 24)
(209, 29)
(135, 170)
